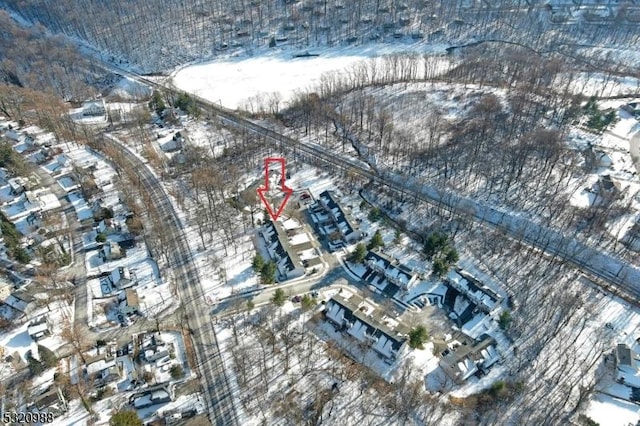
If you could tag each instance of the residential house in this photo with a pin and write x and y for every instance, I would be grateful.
(18, 185)
(39, 328)
(103, 371)
(158, 394)
(107, 227)
(130, 305)
(21, 302)
(14, 135)
(155, 353)
(462, 360)
(361, 321)
(111, 250)
(51, 400)
(121, 277)
(94, 108)
(627, 365)
(632, 108)
(486, 299)
(175, 144)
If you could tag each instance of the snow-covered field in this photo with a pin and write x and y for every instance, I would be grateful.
(239, 81)
(610, 411)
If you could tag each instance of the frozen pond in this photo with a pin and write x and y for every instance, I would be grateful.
(237, 81)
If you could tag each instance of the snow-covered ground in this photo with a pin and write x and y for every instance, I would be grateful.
(128, 89)
(17, 340)
(597, 84)
(610, 411)
(309, 366)
(612, 154)
(241, 82)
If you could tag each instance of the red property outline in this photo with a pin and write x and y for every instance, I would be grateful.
(283, 187)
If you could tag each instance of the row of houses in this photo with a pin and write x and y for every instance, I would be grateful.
(333, 222)
(289, 247)
(482, 296)
(461, 360)
(388, 274)
(363, 322)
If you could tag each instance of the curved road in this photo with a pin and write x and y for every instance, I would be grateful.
(196, 311)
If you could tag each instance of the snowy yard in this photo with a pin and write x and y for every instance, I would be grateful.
(17, 340)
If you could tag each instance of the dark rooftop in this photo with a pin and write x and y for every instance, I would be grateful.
(375, 320)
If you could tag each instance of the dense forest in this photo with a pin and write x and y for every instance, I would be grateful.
(154, 37)
(31, 57)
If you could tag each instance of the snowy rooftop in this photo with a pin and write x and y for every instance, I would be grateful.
(100, 365)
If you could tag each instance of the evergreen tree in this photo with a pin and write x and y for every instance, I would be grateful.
(359, 254)
(125, 418)
(308, 302)
(440, 267)
(279, 297)
(376, 241)
(157, 103)
(505, 320)
(258, 263)
(268, 273)
(418, 337)
(435, 243)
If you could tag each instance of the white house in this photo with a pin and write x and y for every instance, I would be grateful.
(627, 364)
(392, 270)
(460, 361)
(278, 248)
(94, 108)
(112, 251)
(39, 328)
(335, 219)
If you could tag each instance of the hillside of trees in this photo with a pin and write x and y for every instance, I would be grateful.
(32, 58)
(155, 37)
(509, 149)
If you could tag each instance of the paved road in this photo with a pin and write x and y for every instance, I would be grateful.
(196, 313)
(634, 149)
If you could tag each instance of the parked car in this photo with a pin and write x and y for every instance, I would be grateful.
(296, 299)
